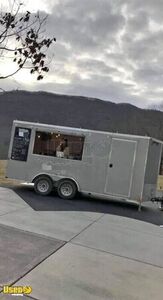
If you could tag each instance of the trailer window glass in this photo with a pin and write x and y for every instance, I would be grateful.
(21, 144)
(58, 145)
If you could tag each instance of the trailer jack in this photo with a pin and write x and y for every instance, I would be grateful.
(159, 201)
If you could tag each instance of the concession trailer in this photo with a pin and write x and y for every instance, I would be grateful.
(99, 164)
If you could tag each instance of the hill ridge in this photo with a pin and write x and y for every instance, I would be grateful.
(75, 111)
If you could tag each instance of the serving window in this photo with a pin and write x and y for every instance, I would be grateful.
(58, 145)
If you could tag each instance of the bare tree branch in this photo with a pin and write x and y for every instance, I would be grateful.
(26, 32)
(20, 67)
(8, 49)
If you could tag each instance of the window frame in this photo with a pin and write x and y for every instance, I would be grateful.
(64, 134)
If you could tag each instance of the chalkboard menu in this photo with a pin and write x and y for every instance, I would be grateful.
(21, 144)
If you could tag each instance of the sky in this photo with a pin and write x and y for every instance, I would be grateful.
(111, 50)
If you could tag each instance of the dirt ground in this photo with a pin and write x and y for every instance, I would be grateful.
(6, 181)
(160, 182)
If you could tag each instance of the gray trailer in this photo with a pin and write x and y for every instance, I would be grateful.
(98, 164)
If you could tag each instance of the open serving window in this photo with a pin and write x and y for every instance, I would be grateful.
(58, 145)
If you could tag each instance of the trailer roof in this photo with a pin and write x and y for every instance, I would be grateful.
(80, 130)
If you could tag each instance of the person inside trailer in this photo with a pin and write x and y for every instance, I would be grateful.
(62, 150)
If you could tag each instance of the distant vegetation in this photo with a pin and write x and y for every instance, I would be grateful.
(76, 112)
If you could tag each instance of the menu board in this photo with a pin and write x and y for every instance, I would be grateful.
(21, 144)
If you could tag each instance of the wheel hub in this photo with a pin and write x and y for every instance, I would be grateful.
(66, 189)
(43, 186)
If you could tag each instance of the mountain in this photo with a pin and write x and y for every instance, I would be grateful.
(75, 111)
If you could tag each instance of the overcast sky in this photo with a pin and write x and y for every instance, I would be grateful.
(107, 49)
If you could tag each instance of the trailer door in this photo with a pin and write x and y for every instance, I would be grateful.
(120, 167)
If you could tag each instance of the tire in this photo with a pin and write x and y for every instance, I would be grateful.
(43, 185)
(66, 189)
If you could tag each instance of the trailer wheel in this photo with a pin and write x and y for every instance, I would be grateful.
(67, 189)
(43, 185)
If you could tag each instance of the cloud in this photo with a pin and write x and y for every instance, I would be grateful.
(85, 25)
(106, 49)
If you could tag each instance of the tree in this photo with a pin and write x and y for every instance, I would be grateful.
(22, 36)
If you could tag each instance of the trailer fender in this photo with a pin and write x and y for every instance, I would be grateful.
(68, 178)
(40, 175)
